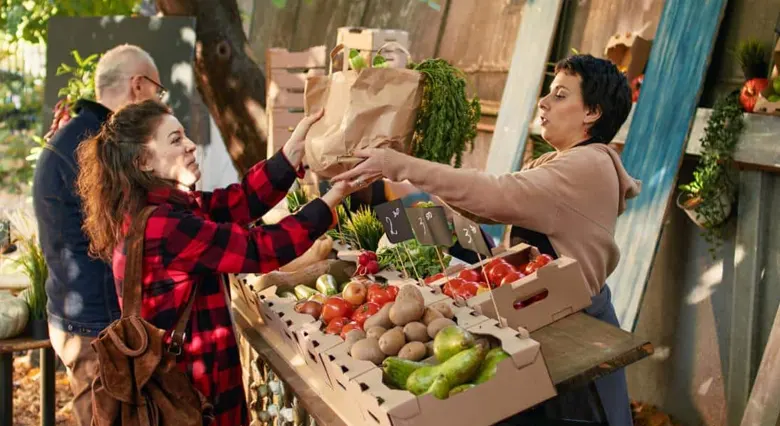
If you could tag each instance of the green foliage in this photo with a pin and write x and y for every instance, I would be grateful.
(752, 56)
(81, 84)
(424, 259)
(20, 110)
(447, 121)
(359, 229)
(33, 265)
(712, 177)
(28, 19)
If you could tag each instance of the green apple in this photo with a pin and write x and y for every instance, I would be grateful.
(776, 85)
(774, 98)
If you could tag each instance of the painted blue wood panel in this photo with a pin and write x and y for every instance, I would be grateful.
(657, 138)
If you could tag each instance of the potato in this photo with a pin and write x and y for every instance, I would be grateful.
(392, 342)
(431, 314)
(444, 309)
(367, 350)
(353, 337)
(380, 319)
(405, 311)
(416, 332)
(429, 348)
(410, 291)
(414, 351)
(437, 325)
(376, 332)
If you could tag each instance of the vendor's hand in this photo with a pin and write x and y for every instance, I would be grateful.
(293, 148)
(339, 190)
(368, 171)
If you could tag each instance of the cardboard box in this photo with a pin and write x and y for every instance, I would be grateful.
(565, 287)
(313, 57)
(763, 104)
(629, 52)
(521, 382)
(370, 39)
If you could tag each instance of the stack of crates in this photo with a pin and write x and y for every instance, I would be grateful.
(286, 79)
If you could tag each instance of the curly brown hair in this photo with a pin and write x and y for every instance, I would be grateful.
(111, 184)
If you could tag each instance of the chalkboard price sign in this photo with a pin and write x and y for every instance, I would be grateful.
(470, 236)
(430, 226)
(394, 220)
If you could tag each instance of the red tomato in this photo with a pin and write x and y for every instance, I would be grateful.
(467, 290)
(531, 300)
(433, 278)
(335, 307)
(381, 294)
(362, 313)
(512, 277)
(352, 325)
(336, 324)
(452, 285)
(470, 275)
(489, 266)
(499, 272)
(542, 260)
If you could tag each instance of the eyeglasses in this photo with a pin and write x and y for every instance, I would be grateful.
(161, 90)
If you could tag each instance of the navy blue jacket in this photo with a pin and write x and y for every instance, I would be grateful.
(80, 289)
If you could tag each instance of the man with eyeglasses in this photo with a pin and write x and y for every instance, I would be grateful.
(82, 298)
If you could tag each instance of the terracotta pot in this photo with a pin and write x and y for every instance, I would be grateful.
(689, 206)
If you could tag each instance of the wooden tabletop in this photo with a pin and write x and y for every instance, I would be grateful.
(18, 344)
(577, 350)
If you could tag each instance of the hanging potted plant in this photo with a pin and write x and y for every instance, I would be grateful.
(709, 198)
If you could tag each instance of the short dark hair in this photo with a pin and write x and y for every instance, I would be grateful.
(604, 87)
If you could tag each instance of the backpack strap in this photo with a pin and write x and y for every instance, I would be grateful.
(133, 282)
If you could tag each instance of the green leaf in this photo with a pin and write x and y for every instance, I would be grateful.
(279, 3)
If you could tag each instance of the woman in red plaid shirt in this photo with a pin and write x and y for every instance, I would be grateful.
(142, 157)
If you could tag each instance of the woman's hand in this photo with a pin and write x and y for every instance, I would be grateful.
(293, 149)
(368, 170)
(341, 189)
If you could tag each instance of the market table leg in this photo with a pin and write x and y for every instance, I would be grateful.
(47, 387)
(6, 388)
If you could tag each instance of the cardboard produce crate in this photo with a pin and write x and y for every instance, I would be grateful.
(368, 41)
(286, 73)
(629, 52)
(521, 382)
(566, 289)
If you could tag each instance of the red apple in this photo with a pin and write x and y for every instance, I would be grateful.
(750, 91)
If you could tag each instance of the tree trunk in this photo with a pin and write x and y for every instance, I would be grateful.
(229, 81)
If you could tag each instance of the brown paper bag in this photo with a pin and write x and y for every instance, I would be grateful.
(372, 108)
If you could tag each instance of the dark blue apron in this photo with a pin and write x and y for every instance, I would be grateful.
(605, 400)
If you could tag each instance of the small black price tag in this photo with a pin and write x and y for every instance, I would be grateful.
(470, 236)
(430, 226)
(394, 220)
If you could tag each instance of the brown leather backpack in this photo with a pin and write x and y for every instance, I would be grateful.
(138, 382)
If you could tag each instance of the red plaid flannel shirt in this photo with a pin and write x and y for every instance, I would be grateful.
(201, 235)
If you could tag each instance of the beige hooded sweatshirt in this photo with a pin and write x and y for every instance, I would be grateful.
(574, 197)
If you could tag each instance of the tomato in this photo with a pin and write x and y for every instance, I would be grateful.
(352, 325)
(433, 278)
(531, 300)
(335, 307)
(512, 277)
(527, 268)
(362, 313)
(354, 293)
(336, 325)
(498, 272)
(542, 260)
(451, 286)
(470, 275)
(466, 291)
(490, 265)
(381, 294)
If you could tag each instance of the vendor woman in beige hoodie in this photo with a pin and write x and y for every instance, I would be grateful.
(565, 202)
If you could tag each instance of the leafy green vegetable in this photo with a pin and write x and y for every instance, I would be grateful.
(426, 261)
(447, 121)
